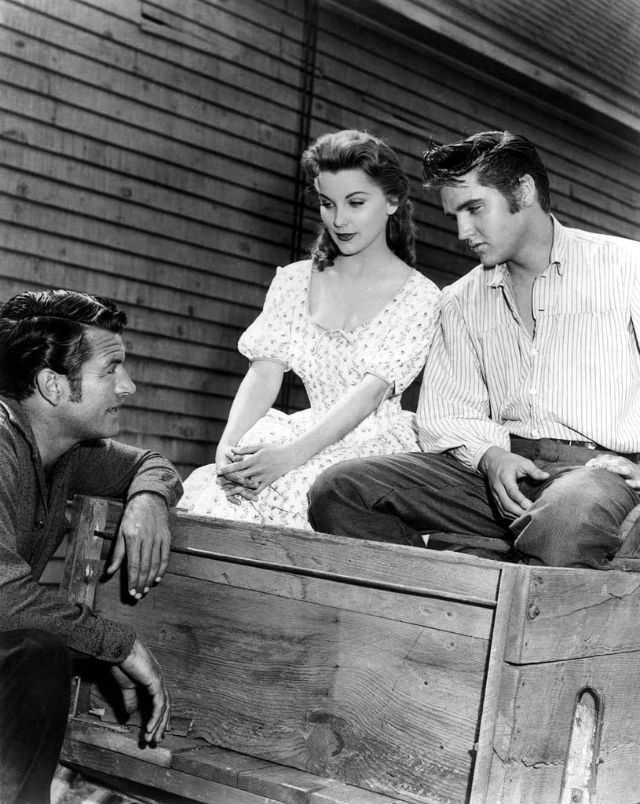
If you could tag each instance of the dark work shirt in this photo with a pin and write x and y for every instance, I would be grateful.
(33, 523)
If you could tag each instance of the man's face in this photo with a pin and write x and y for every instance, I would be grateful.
(492, 232)
(104, 385)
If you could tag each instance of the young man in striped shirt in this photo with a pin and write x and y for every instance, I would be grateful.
(529, 413)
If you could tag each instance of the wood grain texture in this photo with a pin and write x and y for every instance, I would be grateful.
(324, 689)
(574, 613)
(535, 724)
(122, 766)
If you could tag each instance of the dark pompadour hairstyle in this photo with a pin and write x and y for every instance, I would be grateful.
(47, 329)
(351, 149)
(500, 159)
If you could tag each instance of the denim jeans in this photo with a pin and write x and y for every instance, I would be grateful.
(35, 682)
(574, 520)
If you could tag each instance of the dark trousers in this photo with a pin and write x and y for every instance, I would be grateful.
(35, 686)
(574, 521)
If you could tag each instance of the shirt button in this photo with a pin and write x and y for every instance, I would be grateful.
(533, 352)
(40, 523)
(533, 391)
(535, 433)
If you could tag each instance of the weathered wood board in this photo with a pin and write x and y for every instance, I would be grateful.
(312, 668)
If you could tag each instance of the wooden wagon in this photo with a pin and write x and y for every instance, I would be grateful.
(312, 669)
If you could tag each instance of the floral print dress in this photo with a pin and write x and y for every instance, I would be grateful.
(393, 345)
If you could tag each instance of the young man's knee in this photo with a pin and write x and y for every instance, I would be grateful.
(576, 522)
(334, 481)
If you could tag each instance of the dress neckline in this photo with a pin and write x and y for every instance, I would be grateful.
(401, 290)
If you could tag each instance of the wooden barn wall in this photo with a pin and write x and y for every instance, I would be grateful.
(149, 153)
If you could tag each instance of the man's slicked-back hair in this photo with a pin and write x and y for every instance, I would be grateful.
(47, 329)
(499, 158)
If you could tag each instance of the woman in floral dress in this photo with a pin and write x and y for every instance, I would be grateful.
(354, 322)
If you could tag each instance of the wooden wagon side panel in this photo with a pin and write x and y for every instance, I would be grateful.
(344, 682)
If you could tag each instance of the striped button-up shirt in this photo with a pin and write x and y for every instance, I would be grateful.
(577, 378)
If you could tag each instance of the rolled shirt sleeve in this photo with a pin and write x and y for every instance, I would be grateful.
(29, 533)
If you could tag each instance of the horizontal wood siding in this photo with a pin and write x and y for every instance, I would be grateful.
(411, 95)
(149, 153)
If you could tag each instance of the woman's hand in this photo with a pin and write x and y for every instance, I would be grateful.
(234, 486)
(255, 466)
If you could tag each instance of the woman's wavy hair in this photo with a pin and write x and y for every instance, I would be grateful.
(47, 329)
(500, 158)
(351, 149)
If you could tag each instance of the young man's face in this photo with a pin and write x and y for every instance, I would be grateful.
(103, 385)
(492, 232)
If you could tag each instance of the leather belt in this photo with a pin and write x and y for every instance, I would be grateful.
(632, 456)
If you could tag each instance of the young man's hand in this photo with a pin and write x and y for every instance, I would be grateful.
(141, 670)
(145, 538)
(627, 469)
(503, 470)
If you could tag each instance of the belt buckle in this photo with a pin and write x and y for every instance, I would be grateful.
(590, 445)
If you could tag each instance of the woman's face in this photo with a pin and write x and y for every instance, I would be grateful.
(353, 209)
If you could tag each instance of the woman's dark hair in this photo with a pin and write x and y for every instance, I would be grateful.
(47, 329)
(500, 158)
(351, 149)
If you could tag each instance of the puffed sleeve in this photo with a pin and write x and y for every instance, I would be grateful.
(269, 336)
(399, 343)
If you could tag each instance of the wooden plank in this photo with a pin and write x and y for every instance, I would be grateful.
(203, 180)
(174, 424)
(53, 574)
(84, 556)
(574, 613)
(538, 706)
(141, 196)
(170, 229)
(73, 254)
(125, 740)
(192, 123)
(441, 574)
(87, 756)
(443, 615)
(94, 230)
(487, 777)
(125, 24)
(22, 96)
(288, 784)
(129, 61)
(209, 21)
(216, 764)
(348, 794)
(329, 691)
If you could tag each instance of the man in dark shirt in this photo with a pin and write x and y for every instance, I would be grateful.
(62, 384)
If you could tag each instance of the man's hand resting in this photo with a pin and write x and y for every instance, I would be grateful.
(145, 538)
(141, 670)
(503, 470)
(627, 469)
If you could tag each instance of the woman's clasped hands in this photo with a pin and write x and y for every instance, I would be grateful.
(243, 472)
